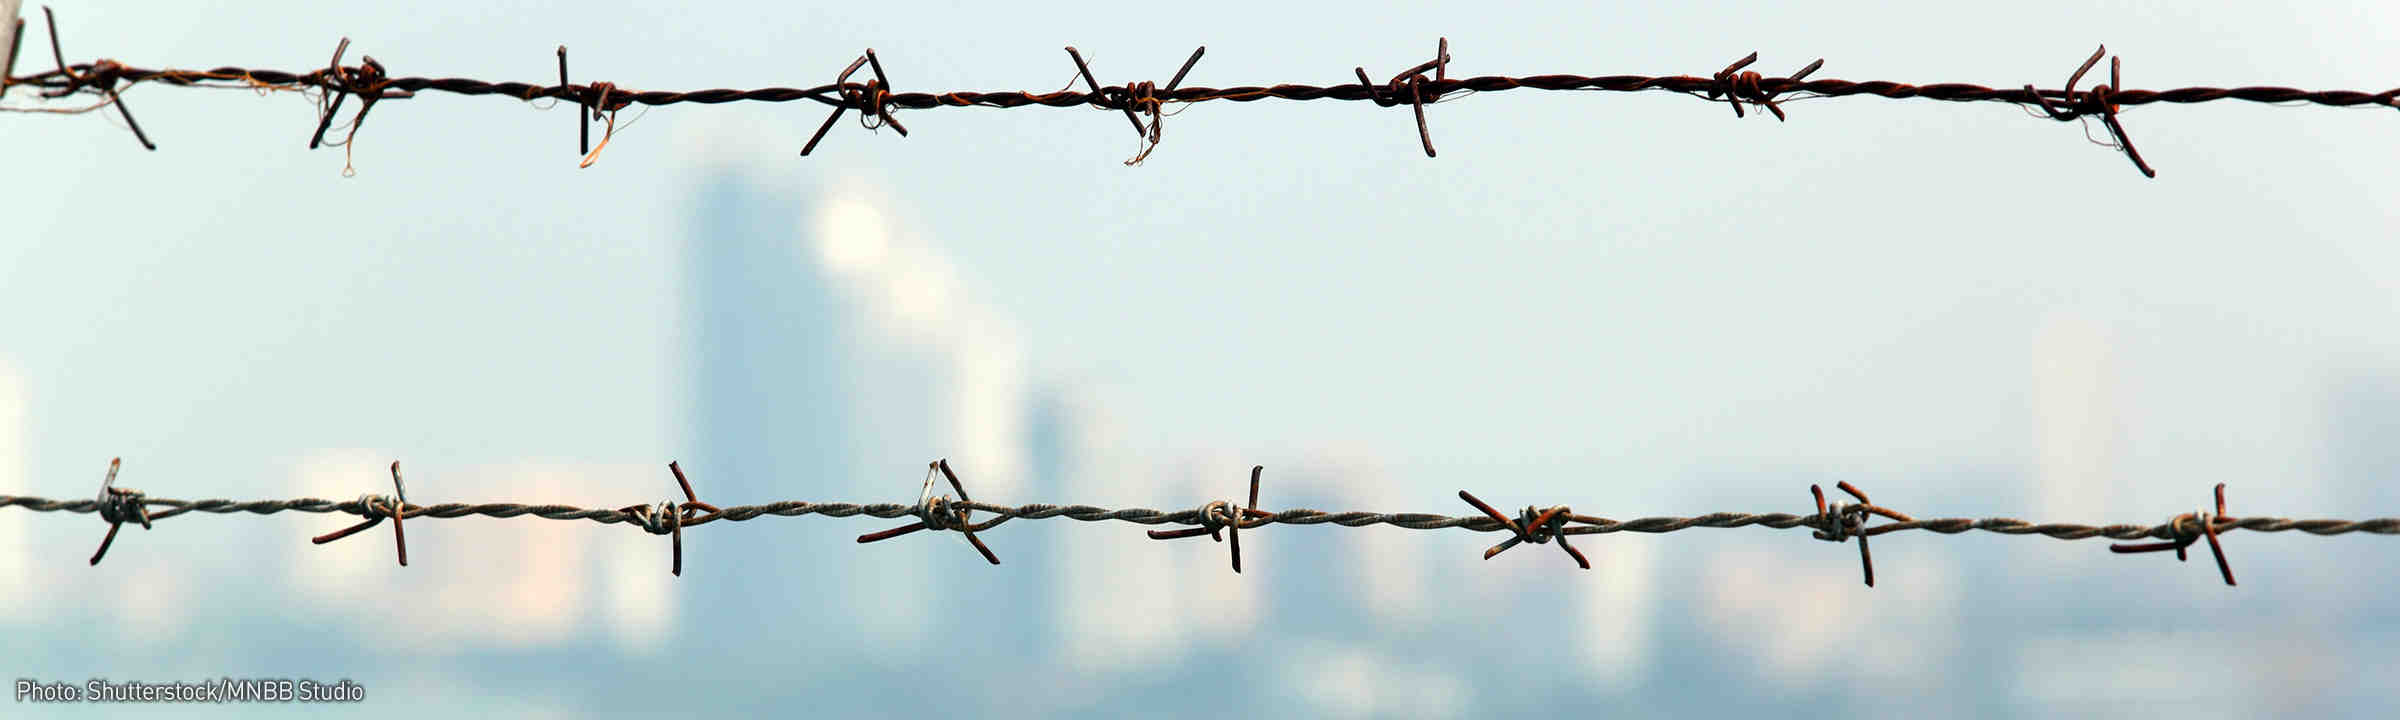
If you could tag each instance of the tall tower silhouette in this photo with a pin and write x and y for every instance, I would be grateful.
(768, 346)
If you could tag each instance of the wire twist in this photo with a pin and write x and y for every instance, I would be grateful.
(668, 517)
(1749, 86)
(375, 508)
(2190, 527)
(117, 506)
(1838, 522)
(872, 100)
(941, 513)
(2100, 100)
(1534, 527)
(1226, 516)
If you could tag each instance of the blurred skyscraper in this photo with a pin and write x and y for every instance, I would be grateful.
(766, 346)
(824, 364)
(766, 334)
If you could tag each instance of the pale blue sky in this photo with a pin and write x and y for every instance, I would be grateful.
(1634, 304)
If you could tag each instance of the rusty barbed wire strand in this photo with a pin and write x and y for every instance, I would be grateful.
(875, 100)
(1538, 525)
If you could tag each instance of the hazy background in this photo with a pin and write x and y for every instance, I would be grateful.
(1633, 304)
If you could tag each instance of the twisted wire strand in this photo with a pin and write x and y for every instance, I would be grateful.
(1112, 96)
(1585, 524)
(875, 100)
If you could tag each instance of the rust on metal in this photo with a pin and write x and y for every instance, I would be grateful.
(117, 505)
(2102, 100)
(595, 102)
(1839, 522)
(872, 100)
(1740, 86)
(375, 508)
(1535, 525)
(1830, 521)
(1414, 79)
(940, 513)
(101, 75)
(670, 517)
(876, 101)
(1224, 515)
(1101, 97)
(2208, 525)
(1143, 97)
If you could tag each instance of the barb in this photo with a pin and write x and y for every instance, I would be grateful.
(941, 513)
(1535, 526)
(1839, 521)
(100, 76)
(875, 97)
(1137, 97)
(1415, 77)
(602, 101)
(1145, 98)
(876, 101)
(2100, 101)
(375, 508)
(1223, 515)
(669, 518)
(118, 505)
(1741, 87)
(368, 81)
(2184, 536)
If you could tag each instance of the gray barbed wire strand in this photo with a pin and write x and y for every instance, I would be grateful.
(1586, 525)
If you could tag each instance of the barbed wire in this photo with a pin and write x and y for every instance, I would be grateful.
(1836, 522)
(875, 100)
